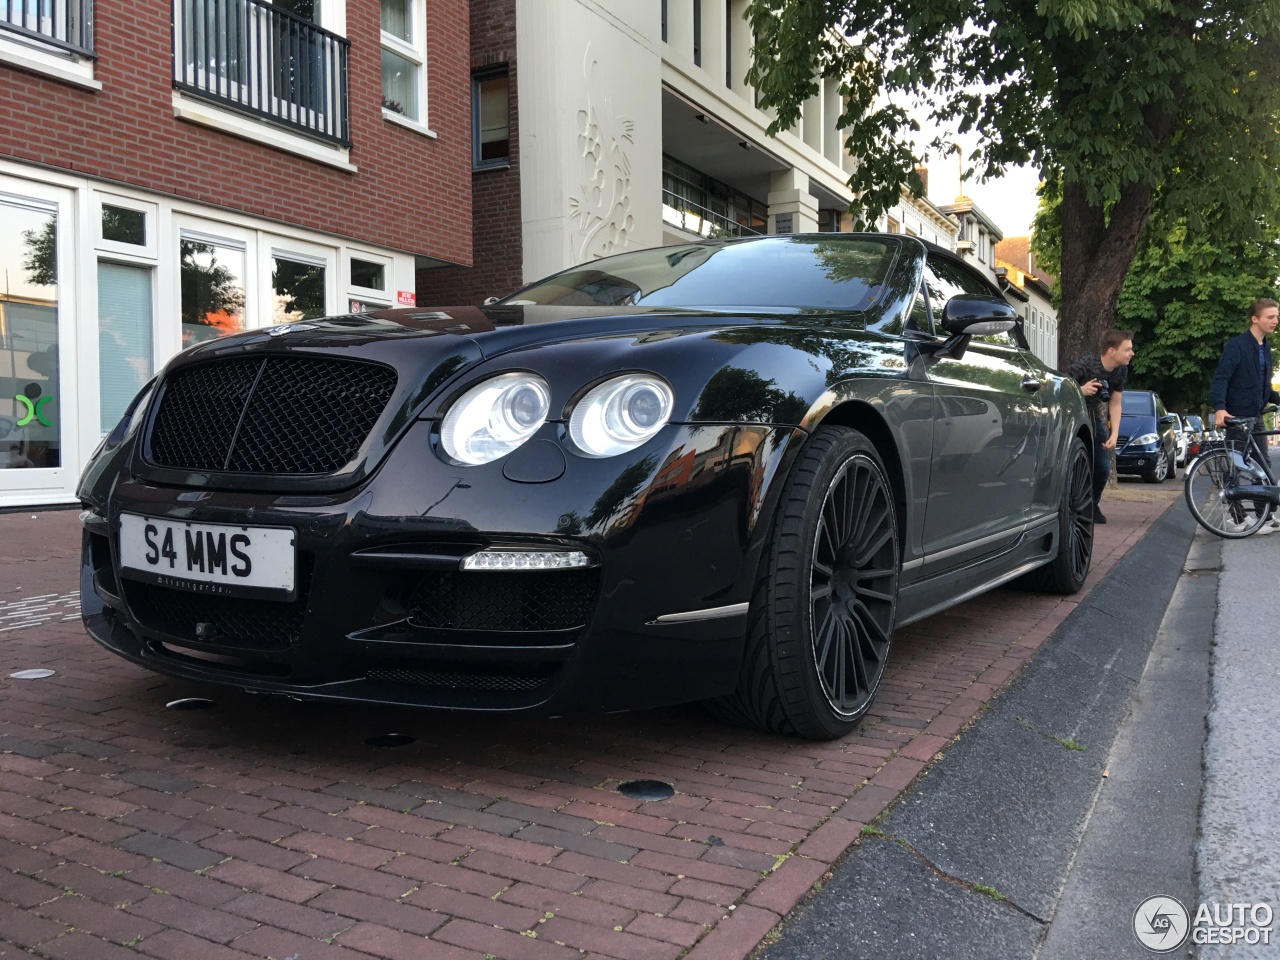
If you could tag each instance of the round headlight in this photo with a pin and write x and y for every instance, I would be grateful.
(493, 418)
(619, 415)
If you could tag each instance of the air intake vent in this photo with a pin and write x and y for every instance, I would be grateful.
(276, 415)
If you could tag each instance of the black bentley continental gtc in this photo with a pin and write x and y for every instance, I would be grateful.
(724, 471)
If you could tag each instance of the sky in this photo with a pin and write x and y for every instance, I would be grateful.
(1010, 200)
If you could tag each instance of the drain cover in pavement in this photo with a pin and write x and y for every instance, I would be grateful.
(646, 790)
(389, 740)
(37, 674)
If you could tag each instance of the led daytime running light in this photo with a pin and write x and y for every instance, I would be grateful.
(526, 560)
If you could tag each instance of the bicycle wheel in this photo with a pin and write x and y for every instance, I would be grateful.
(1208, 480)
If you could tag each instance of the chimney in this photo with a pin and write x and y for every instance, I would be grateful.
(923, 174)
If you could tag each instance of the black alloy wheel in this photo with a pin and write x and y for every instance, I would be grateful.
(821, 620)
(1067, 571)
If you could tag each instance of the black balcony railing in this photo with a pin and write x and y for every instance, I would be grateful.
(65, 24)
(262, 60)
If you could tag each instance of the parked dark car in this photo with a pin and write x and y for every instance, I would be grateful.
(1147, 445)
(724, 471)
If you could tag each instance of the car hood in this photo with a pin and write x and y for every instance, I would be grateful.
(429, 349)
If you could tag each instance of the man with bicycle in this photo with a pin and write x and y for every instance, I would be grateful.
(1102, 377)
(1241, 385)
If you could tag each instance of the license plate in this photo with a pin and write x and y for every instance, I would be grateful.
(214, 558)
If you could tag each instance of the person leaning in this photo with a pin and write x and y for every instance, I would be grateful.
(1102, 377)
(1241, 385)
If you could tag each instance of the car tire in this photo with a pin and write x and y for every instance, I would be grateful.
(1160, 472)
(1066, 572)
(821, 617)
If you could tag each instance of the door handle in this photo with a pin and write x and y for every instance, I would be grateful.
(1032, 384)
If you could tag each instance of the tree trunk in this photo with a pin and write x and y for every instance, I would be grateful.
(1096, 253)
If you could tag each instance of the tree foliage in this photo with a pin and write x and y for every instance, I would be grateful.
(1113, 100)
(1187, 294)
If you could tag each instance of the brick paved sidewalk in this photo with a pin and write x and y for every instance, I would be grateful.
(269, 828)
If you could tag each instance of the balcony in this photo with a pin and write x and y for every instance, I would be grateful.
(264, 61)
(64, 24)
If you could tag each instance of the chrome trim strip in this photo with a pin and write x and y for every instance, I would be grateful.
(707, 613)
(1042, 520)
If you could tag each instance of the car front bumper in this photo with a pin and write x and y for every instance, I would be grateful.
(383, 613)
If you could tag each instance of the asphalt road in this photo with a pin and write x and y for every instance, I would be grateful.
(1075, 797)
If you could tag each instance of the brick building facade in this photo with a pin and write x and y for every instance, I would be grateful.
(174, 172)
(496, 258)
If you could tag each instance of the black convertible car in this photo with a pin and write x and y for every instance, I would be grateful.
(722, 471)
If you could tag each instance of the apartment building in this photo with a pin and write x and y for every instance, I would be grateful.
(604, 125)
(180, 171)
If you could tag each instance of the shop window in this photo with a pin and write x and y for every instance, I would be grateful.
(490, 126)
(368, 275)
(298, 289)
(122, 225)
(30, 401)
(125, 349)
(212, 280)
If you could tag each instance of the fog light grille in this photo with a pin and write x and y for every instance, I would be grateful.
(506, 601)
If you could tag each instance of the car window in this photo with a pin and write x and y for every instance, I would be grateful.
(945, 279)
(799, 273)
(1137, 403)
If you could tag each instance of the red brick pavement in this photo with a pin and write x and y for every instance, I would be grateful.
(268, 828)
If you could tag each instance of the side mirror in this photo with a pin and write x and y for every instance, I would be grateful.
(977, 316)
(1168, 419)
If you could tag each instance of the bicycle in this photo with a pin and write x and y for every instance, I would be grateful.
(1230, 487)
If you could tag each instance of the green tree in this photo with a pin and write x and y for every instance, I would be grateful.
(1185, 296)
(1113, 100)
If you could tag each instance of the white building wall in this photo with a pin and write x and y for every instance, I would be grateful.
(590, 102)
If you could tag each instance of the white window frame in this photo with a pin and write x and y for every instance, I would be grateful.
(54, 484)
(379, 298)
(28, 53)
(130, 251)
(220, 234)
(415, 53)
(299, 251)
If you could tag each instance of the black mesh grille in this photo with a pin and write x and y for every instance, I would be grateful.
(457, 679)
(238, 623)
(296, 415)
(505, 600)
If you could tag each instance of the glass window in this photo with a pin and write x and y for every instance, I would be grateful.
(788, 273)
(212, 278)
(403, 58)
(124, 337)
(397, 19)
(30, 414)
(489, 121)
(371, 276)
(123, 225)
(299, 290)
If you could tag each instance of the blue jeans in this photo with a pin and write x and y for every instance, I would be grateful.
(1101, 459)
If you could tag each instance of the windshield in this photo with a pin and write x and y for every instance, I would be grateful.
(800, 272)
(1137, 404)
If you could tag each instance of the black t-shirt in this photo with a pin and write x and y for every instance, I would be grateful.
(1087, 368)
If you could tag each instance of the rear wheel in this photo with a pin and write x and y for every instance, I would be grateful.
(821, 618)
(1208, 482)
(1066, 572)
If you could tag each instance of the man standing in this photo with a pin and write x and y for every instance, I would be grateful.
(1241, 385)
(1102, 377)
